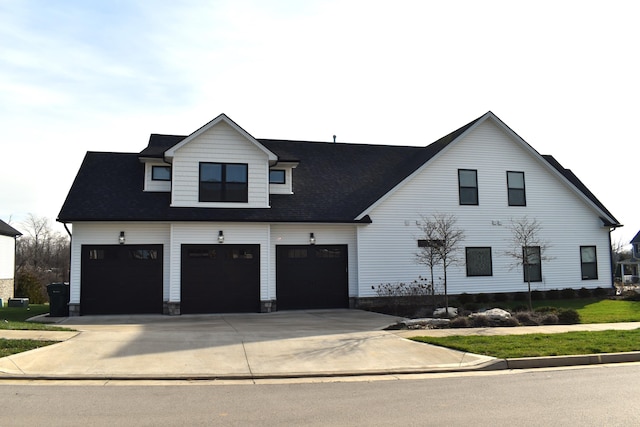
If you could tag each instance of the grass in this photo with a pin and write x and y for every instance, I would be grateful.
(538, 345)
(593, 310)
(9, 347)
(15, 318)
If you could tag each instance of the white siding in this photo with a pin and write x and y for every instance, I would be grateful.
(207, 233)
(107, 234)
(298, 234)
(149, 183)
(221, 144)
(388, 245)
(7, 257)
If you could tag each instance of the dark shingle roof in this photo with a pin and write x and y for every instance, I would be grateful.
(7, 230)
(334, 182)
(636, 239)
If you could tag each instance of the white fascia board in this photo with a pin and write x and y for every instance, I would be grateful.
(221, 118)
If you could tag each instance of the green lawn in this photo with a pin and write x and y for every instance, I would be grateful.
(594, 310)
(536, 345)
(9, 347)
(15, 318)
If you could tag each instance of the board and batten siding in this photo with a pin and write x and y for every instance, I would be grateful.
(387, 247)
(298, 234)
(93, 233)
(207, 234)
(7, 257)
(220, 144)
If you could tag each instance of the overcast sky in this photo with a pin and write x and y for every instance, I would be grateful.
(79, 76)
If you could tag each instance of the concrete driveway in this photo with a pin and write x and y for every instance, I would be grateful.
(280, 344)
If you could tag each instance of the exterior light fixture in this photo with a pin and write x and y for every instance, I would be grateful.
(121, 238)
(312, 239)
(220, 237)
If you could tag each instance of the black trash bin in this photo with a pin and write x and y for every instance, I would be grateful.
(58, 299)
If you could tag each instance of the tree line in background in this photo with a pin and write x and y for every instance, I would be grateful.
(42, 257)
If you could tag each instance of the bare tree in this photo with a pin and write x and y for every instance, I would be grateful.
(441, 247)
(428, 254)
(527, 247)
(42, 257)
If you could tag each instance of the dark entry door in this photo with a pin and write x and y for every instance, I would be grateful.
(220, 279)
(121, 279)
(309, 277)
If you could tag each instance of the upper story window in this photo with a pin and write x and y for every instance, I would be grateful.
(478, 262)
(161, 173)
(277, 176)
(532, 263)
(588, 262)
(515, 189)
(468, 186)
(223, 182)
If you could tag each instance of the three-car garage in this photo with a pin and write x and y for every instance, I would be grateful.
(214, 278)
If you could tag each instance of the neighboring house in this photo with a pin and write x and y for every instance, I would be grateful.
(630, 268)
(219, 221)
(8, 236)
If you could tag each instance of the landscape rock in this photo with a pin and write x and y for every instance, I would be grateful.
(493, 314)
(441, 312)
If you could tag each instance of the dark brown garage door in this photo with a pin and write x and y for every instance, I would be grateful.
(309, 277)
(220, 279)
(121, 279)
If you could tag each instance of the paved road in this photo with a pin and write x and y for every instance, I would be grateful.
(593, 396)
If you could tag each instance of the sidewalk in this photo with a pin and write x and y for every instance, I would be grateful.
(301, 344)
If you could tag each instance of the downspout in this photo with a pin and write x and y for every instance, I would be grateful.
(71, 251)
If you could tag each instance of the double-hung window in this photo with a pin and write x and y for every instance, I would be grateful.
(478, 261)
(468, 186)
(588, 262)
(223, 182)
(532, 263)
(515, 189)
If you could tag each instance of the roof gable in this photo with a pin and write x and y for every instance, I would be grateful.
(7, 230)
(170, 152)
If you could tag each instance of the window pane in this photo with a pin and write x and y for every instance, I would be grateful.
(532, 270)
(468, 196)
(161, 173)
(236, 173)
(276, 177)
(479, 262)
(516, 197)
(588, 253)
(467, 178)
(210, 192)
(515, 179)
(589, 271)
(210, 172)
(235, 192)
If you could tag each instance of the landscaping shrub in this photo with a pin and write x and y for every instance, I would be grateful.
(459, 322)
(524, 317)
(546, 309)
(483, 298)
(553, 294)
(510, 322)
(567, 293)
(568, 316)
(584, 293)
(549, 319)
(480, 321)
(537, 295)
(28, 286)
(465, 298)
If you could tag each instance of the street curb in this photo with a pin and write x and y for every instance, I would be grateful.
(491, 365)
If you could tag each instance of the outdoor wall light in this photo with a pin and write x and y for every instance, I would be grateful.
(312, 239)
(121, 238)
(220, 237)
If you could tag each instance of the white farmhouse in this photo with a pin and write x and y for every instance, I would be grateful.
(219, 221)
